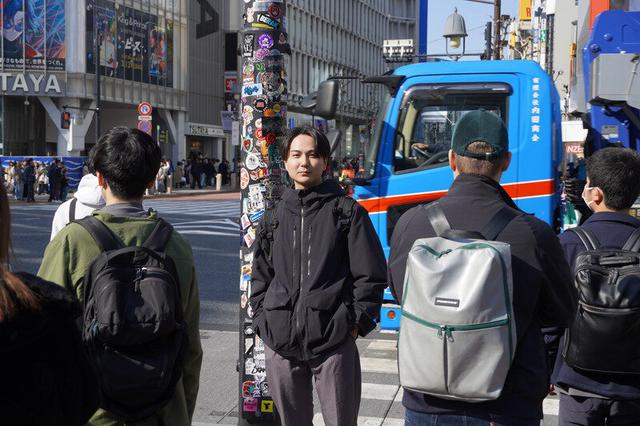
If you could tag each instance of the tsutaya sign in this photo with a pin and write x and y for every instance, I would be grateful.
(31, 84)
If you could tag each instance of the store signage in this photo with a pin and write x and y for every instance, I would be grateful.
(30, 84)
(194, 129)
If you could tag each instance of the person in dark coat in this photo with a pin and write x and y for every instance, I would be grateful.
(54, 180)
(588, 398)
(543, 291)
(29, 176)
(196, 172)
(223, 169)
(47, 379)
(318, 278)
(209, 171)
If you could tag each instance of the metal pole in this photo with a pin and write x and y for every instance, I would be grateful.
(497, 45)
(263, 113)
(96, 29)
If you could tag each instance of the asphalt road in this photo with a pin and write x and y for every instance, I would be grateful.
(209, 223)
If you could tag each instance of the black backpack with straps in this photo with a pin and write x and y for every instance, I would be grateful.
(133, 325)
(604, 335)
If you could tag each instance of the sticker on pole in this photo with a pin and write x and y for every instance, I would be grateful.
(144, 108)
(145, 126)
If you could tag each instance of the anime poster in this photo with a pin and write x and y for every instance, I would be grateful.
(133, 27)
(56, 51)
(33, 31)
(161, 54)
(106, 23)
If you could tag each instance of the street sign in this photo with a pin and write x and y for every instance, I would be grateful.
(145, 118)
(145, 126)
(144, 108)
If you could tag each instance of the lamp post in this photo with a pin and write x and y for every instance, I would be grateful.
(455, 32)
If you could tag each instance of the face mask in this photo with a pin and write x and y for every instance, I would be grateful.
(585, 191)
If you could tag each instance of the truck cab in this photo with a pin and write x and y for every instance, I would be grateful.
(407, 160)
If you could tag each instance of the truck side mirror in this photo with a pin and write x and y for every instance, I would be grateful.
(327, 99)
(334, 137)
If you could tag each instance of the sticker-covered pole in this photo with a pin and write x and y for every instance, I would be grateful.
(263, 121)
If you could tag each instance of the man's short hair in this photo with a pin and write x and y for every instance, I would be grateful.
(128, 159)
(489, 168)
(616, 171)
(323, 147)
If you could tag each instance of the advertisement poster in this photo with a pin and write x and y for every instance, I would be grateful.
(33, 33)
(134, 45)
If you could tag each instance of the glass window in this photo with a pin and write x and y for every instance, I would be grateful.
(429, 114)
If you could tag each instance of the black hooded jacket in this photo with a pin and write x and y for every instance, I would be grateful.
(316, 279)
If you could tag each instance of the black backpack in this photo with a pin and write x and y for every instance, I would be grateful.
(133, 326)
(604, 335)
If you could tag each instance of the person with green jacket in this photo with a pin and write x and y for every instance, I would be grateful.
(126, 163)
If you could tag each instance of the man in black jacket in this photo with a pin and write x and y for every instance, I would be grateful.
(543, 292)
(317, 283)
(613, 185)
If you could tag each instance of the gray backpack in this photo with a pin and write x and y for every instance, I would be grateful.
(457, 331)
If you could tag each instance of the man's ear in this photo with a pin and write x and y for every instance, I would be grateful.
(507, 161)
(452, 161)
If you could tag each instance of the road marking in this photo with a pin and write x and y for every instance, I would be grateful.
(363, 421)
(379, 365)
(382, 345)
(379, 391)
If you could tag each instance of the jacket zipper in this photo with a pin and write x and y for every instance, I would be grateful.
(298, 277)
(309, 251)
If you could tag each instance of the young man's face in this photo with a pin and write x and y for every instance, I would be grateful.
(304, 164)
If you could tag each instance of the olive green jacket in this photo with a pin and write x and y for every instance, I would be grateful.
(65, 262)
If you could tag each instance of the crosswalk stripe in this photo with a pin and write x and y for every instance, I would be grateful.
(383, 345)
(363, 421)
(379, 391)
(379, 365)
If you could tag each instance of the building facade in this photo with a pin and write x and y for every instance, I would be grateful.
(168, 53)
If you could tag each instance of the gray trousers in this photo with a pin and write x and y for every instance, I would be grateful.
(338, 384)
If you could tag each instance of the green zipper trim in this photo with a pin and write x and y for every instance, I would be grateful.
(505, 286)
(448, 328)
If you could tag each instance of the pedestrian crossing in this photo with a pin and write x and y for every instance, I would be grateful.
(381, 403)
(204, 218)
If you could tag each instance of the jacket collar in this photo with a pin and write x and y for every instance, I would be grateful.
(313, 197)
(613, 217)
(479, 186)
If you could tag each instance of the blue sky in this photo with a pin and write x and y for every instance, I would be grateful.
(475, 15)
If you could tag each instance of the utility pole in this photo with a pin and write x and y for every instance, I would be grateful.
(264, 44)
(497, 13)
(96, 46)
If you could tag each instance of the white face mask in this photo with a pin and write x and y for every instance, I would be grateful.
(584, 197)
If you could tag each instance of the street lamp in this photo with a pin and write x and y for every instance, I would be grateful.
(455, 31)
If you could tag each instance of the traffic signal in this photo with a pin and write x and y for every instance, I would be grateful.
(488, 50)
(65, 120)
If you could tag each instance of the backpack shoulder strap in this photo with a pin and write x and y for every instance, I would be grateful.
(72, 209)
(103, 236)
(498, 222)
(160, 236)
(589, 241)
(436, 217)
(344, 209)
(633, 243)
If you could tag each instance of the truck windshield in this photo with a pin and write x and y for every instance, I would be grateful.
(430, 112)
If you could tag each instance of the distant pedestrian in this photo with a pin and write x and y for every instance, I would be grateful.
(196, 173)
(312, 295)
(596, 372)
(29, 176)
(55, 177)
(477, 279)
(85, 200)
(223, 170)
(47, 379)
(64, 183)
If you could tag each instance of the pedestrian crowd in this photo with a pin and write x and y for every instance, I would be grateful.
(498, 311)
(25, 179)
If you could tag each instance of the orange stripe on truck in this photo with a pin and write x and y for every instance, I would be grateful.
(515, 191)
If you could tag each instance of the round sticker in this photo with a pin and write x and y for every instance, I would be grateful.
(259, 134)
(244, 178)
(277, 108)
(271, 138)
(265, 41)
(252, 161)
(282, 39)
(268, 112)
(275, 11)
(260, 103)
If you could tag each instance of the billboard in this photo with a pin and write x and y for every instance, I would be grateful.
(33, 34)
(134, 45)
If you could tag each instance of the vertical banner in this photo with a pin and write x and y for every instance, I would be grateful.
(525, 10)
(262, 124)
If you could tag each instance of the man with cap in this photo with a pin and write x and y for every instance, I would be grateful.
(543, 291)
